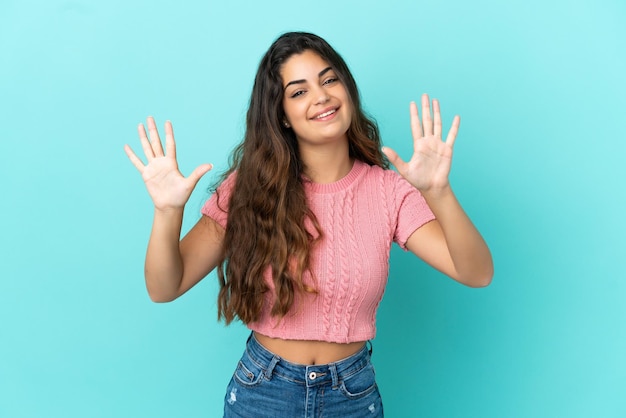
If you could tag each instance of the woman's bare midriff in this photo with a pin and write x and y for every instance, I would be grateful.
(308, 352)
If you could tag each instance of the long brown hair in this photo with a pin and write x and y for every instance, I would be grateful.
(267, 208)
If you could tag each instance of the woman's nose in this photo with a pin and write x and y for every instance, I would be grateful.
(322, 96)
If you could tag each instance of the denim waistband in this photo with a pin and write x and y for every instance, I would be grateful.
(313, 375)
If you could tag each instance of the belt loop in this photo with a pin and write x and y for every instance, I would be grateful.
(333, 373)
(371, 350)
(270, 368)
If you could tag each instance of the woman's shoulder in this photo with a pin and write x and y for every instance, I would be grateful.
(375, 172)
(388, 182)
(225, 181)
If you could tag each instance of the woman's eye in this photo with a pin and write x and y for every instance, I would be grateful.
(330, 81)
(297, 93)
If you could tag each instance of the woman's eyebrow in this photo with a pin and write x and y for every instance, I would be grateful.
(321, 73)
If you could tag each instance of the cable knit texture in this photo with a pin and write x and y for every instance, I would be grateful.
(361, 215)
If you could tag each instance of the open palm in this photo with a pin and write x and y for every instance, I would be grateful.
(429, 166)
(167, 187)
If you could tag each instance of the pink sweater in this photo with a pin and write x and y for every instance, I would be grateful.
(361, 215)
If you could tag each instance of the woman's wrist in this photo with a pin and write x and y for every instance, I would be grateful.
(436, 194)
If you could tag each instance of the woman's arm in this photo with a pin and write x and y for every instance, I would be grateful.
(173, 267)
(451, 243)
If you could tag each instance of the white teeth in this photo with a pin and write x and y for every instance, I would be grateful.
(323, 115)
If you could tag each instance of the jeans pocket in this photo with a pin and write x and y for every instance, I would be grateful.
(248, 373)
(359, 384)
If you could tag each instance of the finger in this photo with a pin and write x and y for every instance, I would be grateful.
(170, 144)
(145, 144)
(427, 122)
(416, 128)
(437, 118)
(394, 159)
(454, 130)
(134, 159)
(155, 141)
(200, 171)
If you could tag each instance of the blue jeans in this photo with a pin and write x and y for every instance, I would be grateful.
(266, 386)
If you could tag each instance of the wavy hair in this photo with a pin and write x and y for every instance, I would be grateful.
(267, 208)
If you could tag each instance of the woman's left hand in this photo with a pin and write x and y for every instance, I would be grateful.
(429, 167)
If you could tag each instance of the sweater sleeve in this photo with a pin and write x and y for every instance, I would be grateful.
(216, 207)
(412, 210)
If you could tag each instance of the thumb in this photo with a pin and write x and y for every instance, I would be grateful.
(200, 171)
(394, 159)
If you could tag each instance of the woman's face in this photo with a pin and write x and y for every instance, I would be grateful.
(317, 105)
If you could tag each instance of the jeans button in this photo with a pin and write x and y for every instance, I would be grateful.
(312, 375)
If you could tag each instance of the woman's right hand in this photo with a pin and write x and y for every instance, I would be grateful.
(167, 187)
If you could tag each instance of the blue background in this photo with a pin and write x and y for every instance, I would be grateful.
(538, 166)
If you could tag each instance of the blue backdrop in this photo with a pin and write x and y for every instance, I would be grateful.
(538, 166)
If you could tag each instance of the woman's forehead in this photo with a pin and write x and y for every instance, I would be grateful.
(306, 66)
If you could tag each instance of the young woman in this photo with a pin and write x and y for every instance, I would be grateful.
(300, 229)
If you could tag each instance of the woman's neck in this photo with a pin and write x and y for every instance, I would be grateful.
(327, 164)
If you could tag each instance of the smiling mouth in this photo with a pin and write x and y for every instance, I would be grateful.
(325, 114)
